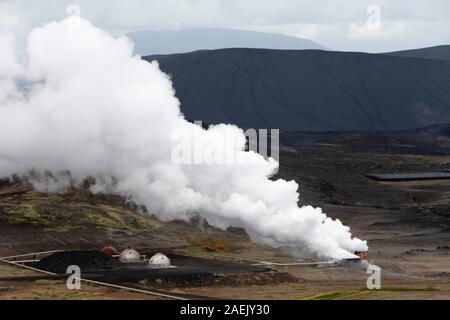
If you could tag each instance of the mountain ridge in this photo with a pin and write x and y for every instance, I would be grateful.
(309, 90)
(441, 52)
(194, 39)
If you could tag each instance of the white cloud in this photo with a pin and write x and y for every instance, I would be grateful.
(9, 18)
(310, 31)
(386, 31)
(340, 22)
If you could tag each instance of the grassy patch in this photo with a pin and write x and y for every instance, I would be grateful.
(195, 251)
(344, 294)
(403, 289)
(55, 213)
(67, 295)
(101, 219)
(131, 218)
(333, 295)
(25, 214)
(48, 282)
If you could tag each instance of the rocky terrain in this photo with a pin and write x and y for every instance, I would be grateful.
(407, 224)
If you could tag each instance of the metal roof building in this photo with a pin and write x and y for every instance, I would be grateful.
(413, 176)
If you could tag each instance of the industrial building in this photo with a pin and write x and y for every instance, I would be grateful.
(413, 176)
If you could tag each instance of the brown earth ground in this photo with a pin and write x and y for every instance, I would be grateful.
(406, 224)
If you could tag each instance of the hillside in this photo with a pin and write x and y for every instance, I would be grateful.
(406, 224)
(309, 90)
(436, 53)
(188, 40)
(77, 219)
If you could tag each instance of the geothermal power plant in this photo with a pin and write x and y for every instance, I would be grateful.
(156, 150)
(153, 273)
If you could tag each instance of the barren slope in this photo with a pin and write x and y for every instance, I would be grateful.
(309, 90)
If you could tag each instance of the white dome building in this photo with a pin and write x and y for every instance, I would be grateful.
(129, 255)
(159, 260)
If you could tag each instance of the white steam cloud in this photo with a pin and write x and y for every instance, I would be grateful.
(91, 108)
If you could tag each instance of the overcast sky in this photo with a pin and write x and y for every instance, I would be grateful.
(337, 24)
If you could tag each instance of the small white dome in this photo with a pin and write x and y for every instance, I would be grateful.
(129, 255)
(159, 260)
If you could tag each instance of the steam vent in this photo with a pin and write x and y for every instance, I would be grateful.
(159, 260)
(129, 255)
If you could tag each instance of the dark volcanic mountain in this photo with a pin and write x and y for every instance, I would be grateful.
(437, 53)
(188, 40)
(310, 90)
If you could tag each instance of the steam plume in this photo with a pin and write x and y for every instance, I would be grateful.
(92, 108)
